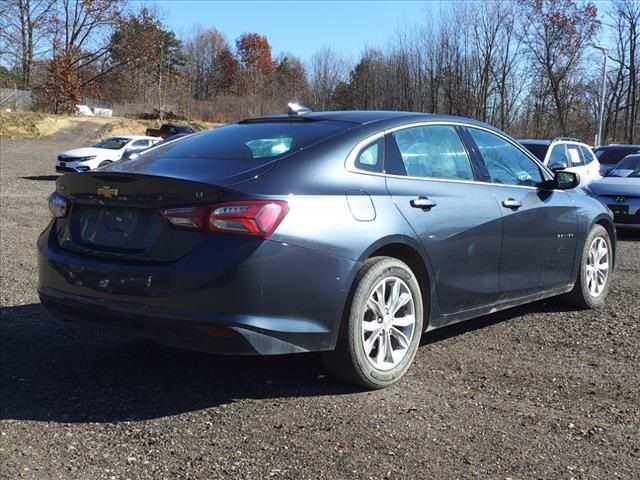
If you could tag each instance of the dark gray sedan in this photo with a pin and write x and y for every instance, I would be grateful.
(620, 191)
(349, 233)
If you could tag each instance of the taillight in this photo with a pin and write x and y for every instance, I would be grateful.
(257, 218)
(58, 205)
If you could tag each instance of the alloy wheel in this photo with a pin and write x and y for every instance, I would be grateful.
(388, 325)
(597, 267)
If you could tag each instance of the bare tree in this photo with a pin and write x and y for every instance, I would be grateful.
(204, 54)
(24, 26)
(556, 36)
(327, 70)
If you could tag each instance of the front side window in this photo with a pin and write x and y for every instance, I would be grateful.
(140, 144)
(506, 164)
(113, 143)
(433, 151)
(558, 154)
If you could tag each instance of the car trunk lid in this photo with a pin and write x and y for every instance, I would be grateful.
(118, 215)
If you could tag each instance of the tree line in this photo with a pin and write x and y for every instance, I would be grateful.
(526, 66)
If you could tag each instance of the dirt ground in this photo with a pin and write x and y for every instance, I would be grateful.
(538, 392)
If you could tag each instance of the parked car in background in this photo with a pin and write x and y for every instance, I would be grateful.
(566, 154)
(610, 155)
(169, 129)
(132, 153)
(348, 233)
(620, 191)
(107, 151)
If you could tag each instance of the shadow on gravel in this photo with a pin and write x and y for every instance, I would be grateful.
(56, 371)
(42, 178)
(628, 235)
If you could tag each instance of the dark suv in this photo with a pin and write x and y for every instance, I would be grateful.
(610, 155)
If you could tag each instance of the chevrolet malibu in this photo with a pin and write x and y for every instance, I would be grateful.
(348, 233)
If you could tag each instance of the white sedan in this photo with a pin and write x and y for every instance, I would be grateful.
(107, 151)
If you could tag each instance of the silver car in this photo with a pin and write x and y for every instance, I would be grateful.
(620, 191)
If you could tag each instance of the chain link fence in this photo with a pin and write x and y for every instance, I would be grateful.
(14, 99)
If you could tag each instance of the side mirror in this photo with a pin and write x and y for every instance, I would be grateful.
(133, 156)
(558, 165)
(566, 180)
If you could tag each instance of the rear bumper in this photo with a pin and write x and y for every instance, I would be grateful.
(278, 300)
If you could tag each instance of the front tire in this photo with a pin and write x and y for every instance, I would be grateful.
(381, 331)
(594, 277)
(105, 163)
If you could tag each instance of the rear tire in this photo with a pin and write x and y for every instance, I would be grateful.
(381, 330)
(594, 276)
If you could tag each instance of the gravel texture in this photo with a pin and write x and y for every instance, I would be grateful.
(537, 392)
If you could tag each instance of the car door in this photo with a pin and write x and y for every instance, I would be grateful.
(539, 225)
(432, 182)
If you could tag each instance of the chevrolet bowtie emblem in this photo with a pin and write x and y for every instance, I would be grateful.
(107, 192)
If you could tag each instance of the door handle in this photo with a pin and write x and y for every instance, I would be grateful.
(512, 203)
(425, 203)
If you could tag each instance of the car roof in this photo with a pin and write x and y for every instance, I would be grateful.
(367, 117)
(534, 141)
(619, 146)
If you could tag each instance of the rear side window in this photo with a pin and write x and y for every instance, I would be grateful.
(587, 155)
(371, 157)
(506, 164)
(575, 158)
(252, 141)
(433, 151)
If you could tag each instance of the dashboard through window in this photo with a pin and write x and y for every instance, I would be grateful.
(506, 164)
(433, 151)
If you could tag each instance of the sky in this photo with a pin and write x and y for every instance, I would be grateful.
(299, 27)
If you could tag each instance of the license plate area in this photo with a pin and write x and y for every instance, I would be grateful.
(115, 229)
(619, 210)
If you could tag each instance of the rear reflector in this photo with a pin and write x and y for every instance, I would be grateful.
(257, 218)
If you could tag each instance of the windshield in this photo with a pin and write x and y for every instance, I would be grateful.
(629, 168)
(113, 143)
(252, 141)
(539, 150)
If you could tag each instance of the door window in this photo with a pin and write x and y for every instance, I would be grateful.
(575, 158)
(433, 151)
(140, 144)
(559, 154)
(587, 155)
(506, 164)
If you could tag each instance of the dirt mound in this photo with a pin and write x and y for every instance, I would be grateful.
(34, 125)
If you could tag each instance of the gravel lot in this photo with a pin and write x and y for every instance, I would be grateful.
(538, 392)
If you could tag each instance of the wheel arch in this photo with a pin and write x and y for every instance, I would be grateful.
(608, 225)
(408, 252)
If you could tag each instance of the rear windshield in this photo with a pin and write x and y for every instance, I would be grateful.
(268, 140)
(611, 156)
(540, 151)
